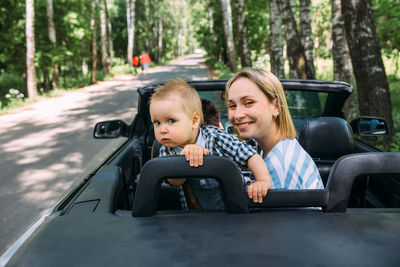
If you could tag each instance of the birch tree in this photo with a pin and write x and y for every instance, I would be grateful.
(93, 26)
(365, 53)
(109, 36)
(276, 40)
(228, 33)
(103, 38)
(295, 50)
(130, 18)
(242, 33)
(30, 49)
(306, 33)
(160, 39)
(342, 70)
(292, 65)
(52, 37)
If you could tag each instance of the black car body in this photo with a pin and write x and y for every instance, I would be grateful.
(113, 218)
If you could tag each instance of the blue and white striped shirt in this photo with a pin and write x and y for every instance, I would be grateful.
(291, 167)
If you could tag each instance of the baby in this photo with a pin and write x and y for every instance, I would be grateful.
(176, 112)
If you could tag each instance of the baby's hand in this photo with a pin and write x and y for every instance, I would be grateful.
(194, 154)
(258, 190)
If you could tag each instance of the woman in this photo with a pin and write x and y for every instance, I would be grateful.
(258, 110)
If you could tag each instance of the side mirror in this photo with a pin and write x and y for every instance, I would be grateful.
(369, 126)
(110, 129)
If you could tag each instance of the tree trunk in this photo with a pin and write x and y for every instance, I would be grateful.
(229, 41)
(307, 39)
(276, 41)
(130, 17)
(46, 81)
(295, 50)
(109, 36)
(150, 39)
(242, 33)
(179, 51)
(93, 26)
(85, 69)
(365, 53)
(292, 66)
(52, 37)
(30, 49)
(160, 39)
(342, 70)
(103, 36)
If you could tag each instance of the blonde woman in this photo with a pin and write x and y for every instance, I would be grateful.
(258, 110)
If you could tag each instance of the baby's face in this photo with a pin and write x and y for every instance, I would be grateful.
(172, 125)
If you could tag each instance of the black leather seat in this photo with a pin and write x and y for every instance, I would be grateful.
(326, 139)
(169, 196)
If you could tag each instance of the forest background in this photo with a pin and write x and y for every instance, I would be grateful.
(47, 46)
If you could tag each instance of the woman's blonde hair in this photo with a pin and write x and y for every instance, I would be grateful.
(270, 85)
(188, 96)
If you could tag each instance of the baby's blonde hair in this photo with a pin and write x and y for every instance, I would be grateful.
(272, 88)
(188, 96)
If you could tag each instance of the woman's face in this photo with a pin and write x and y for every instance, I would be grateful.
(250, 111)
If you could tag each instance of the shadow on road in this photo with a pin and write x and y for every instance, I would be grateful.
(47, 147)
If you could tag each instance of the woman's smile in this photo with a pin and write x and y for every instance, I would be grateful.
(243, 125)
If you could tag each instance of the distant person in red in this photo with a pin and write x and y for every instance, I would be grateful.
(145, 61)
(135, 63)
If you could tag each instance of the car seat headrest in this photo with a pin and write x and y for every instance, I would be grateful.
(327, 137)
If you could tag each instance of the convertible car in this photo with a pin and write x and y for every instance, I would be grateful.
(124, 214)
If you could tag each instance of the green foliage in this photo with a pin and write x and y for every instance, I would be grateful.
(321, 24)
(11, 80)
(119, 32)
(119, 68)
(395, 144)
(12, 37)
(221, 70)
(257, 15)
(185, 26)
(394, 85)
(177, 29)
(387, 20)
(212, 42)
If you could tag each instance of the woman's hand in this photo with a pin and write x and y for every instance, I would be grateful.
(258, 190)
(194, 154)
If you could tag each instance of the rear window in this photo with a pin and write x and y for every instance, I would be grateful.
(305, 105)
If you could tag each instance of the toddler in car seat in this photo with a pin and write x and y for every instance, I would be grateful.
(177, 115)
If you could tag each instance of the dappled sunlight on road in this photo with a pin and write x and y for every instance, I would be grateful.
(47, 147)
(36, 181)
(31, 156)
(44, 185)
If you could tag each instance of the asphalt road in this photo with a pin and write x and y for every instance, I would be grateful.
(46, 148)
